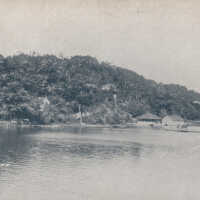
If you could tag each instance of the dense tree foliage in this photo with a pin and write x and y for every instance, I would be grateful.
(82, 80)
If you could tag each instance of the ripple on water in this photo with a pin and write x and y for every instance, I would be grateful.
(98, 166)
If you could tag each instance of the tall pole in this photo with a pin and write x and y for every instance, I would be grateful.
(79, 107)
(115, 100)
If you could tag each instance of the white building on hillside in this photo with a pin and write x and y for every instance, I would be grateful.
(44, 103)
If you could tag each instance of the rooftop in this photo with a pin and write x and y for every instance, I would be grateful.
(149, 116)
(175, 117)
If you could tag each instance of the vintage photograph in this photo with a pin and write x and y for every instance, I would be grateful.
(99, 100)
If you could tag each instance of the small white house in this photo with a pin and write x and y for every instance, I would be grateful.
(172, 120)
(108, 87)
(196, 102)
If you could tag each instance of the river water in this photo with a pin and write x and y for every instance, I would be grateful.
(99, 164)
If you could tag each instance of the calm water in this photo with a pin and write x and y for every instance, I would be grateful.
(99, 164)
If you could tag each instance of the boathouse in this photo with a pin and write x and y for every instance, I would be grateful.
(148, 119)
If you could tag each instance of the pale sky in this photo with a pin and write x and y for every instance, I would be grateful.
(159, 39)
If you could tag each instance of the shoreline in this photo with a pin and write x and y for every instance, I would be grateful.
(11, 125)
(62, 125)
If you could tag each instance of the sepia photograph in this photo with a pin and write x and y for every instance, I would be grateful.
(99, 100)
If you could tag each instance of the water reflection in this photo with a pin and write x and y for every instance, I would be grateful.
(96, 164)
(21, 146)
(12, 146)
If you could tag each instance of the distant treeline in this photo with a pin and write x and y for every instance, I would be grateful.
(101, 89)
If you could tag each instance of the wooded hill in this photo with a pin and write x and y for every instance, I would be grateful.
(82, 80)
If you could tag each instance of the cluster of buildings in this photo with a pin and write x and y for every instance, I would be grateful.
(169, 122)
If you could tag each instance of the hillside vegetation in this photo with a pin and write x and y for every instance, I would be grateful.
(106, 93)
